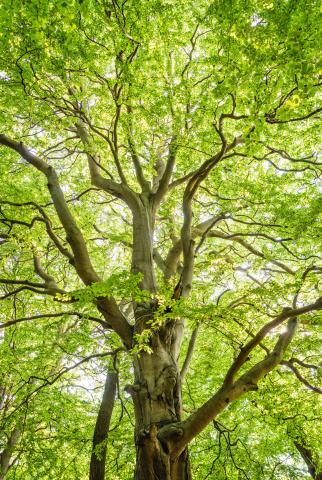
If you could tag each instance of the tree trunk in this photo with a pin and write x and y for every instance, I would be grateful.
(97, 466)
(142, 253)
(156, 392)
(311, 459)
(157, 402)
(154, 463)
(6, 455)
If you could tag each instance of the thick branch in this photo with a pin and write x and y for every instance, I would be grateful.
(176, 250)
(6, 454)
(311, 459)
(75, 238)
(194, 424)
(190, 352)
(190, 191)
(159, 167)
(245, 351)
(159, 260)
(180, 181)
(121, 191)
(166, 177)
(50, 282)
(143, 182)
(22, 282)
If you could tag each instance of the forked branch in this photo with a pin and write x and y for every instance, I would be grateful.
(82, 262)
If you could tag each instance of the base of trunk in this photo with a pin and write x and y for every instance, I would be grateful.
(153, 461)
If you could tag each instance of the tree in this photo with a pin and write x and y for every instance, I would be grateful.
(161, 178)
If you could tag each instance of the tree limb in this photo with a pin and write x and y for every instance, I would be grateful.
(143, 182)
(290, 365)
(49, 228)
(53, 315)
(250, 248)
(245, 351)
(195, 423)
(166, 177)
(82, 262)
(108, 185)
(310, 458)
(190, 352)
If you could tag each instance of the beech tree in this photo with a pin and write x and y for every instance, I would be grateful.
(160, 239)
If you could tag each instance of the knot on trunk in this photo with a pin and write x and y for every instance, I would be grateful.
(145, 310)
(132, 389)
(251, 387)
(146, 436)
(170, 434)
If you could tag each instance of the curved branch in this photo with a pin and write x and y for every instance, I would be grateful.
(303, 364)
(97, 179)
(250, 248)
(273, 120)
(22, 282)
(143, 182)
(245, 351)
(195, 423)
(82, 262)
(199, 176)
(290, 365)
(175, 251)
(49, 228)
(166, 177)
(31, 289)
(50, 286)
(179, 181)
(75, 238)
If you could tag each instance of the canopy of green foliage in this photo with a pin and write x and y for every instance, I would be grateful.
(139, 75)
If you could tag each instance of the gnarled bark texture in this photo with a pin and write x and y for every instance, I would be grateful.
(156, 391)
(157, 401)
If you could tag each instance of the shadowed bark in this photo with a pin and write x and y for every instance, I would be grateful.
(310, 458)
(97, 466)
(6, 454)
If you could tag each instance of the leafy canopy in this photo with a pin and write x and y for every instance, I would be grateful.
(140, 74)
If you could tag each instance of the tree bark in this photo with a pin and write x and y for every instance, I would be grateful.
(157, 402)
(156, 392)
(97, 465)
(311, 460)
(6, 455)
(142, 252)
